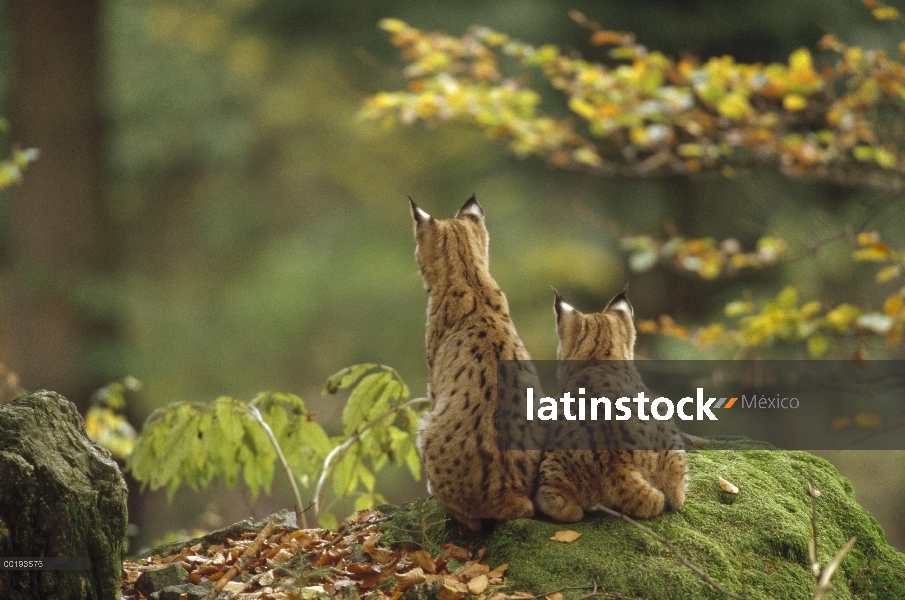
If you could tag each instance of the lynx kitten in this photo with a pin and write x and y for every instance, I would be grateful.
(468, 331)
(640, 483)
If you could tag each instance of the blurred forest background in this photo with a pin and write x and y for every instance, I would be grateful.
(209, 215)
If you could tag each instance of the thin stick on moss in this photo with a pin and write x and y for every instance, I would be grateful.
(665, 541)
(594, 593)
(825, 574)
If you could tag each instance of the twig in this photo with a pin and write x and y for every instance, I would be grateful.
(243, 562)
(825, 574)
(823, 584)
(343, 449)
(594, 593)
(300, 521)
(665, 541)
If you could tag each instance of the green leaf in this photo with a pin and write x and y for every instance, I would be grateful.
(229, 421)
(200, 443)
(369, 391)
(178, 447)
(315, 437)
(250, 470)
(277, 418)
(817, 345)
(413, 461)
(370, 500)
(366, 477)
(328, 521)
(346, 377)
(345, 477)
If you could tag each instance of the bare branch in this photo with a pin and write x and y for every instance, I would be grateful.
(300, 520)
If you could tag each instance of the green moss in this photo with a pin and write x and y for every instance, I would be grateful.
(762, 537)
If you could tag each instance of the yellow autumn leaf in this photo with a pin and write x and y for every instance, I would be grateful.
(565, 536)
(794, 102)
(840, 423)
(887, 273)
(866, 238)
(734, 106)
(867, 420)
(817, 346)
(800, 60)
(893, 305)
(393, 25)
(646, 326)
(885, 13)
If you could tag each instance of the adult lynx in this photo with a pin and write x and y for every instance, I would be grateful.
(468, 331)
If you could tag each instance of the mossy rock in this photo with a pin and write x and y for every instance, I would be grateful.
(761, 538)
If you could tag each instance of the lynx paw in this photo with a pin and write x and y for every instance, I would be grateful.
(558, 506)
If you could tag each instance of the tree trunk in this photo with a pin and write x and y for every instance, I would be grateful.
(57, 234)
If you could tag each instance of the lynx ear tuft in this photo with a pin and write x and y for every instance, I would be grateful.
(561, 306)
(419, 215)
(471, 208)
(621, 304)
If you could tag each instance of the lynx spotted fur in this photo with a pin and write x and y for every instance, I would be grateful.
(640, 483)
(468, 331)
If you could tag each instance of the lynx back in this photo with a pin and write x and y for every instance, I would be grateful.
(469, 330)
(640, 483)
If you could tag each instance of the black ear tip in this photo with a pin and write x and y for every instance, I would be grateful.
(419, 215)
(556, 293)
(471, 208)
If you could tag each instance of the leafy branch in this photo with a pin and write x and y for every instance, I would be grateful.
(783, 318)
(195, 443)
(340, 451)
(642, 113)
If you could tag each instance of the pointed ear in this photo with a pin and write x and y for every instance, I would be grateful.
(621, 304)
(419, 215)
(561, 307)
(472, 209)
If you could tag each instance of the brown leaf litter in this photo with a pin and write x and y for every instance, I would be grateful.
(253, 567)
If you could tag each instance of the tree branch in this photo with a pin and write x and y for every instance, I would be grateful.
(343, 449)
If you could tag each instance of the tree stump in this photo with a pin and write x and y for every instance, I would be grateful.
(61, 495)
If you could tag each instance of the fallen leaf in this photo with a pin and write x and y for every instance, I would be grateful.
(266, 578)
(456, 552)
(480, 583)
(566, 536)
(407, 580)
(554, 596)
(282, 556)
(466, 572)
(453, 590)
(498, 572)
(423, 559)
(814, 492)
(697, 442)
(729, 488)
